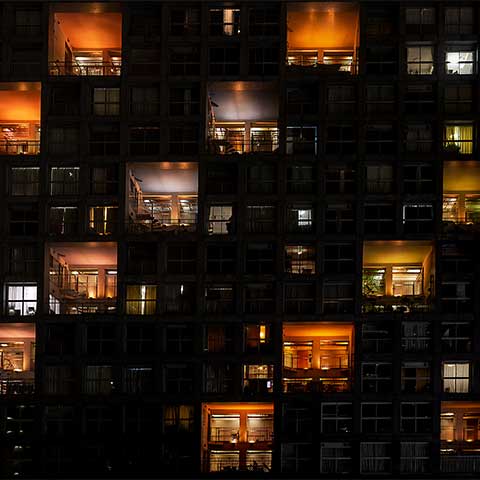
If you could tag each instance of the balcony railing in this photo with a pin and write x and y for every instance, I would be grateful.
(460, 463)
(469, 218)
(307, 65)
(308, 385)
(79, 307)
(148, 226)
(224, 434)
(17, 386)
(231, 147)
(19, 147)
(260, 434)
(219, 305)
(99, 69)
(402, 304)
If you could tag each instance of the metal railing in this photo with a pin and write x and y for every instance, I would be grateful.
(219, 305)
(145, 226)
(19, 147)
(102, 69)
(407, 304)
(223, 434)
(460, 463)
(79, 307)
(12, 386)
(231, 146)
(331, 385)
(261, 434)
(302, 65)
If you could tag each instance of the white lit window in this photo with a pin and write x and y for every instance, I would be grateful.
(21, 299)
(460, 62)
(456, 377)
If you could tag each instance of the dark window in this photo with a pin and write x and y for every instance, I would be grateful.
(142, 258)
(221, 259)
(184, 100)
(182, 259)
(260, 258)
(224, 60)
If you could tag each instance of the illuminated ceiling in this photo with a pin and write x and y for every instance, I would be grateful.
(17, 330)
(92, 31)
(460, 406)
(166, 177)
(244, 101)
(385, 252)
(241, 406)
(330, 330)
(461, 177)
(326, 25)
(19, 101)
(88, 253)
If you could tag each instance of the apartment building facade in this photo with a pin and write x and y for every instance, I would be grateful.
(239, 239)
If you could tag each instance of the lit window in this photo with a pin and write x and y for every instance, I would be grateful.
(458, 139)
(141, 299)
(456, 377)
(420, 60)
(460, 62)
(103, 220)
(21, 299)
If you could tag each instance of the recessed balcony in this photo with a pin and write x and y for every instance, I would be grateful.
(162, 196)
(237, 437)
(398, 276)
(20, 118)
(461, 193)
(82, 278)
(85, 40)
(460, 437)
(17, 358)
(323, 37)
(242, 118)
(317, 357)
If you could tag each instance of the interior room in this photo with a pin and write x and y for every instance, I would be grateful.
(162, 196)
(460, 427)
(323, 35)
(20, 118)
(461, 192)
(85, 39)
(82, 278)
(242, 117)
(317, 357)
(237, 437)
(398, 274)
(17, 358)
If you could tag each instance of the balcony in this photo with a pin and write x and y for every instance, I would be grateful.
(461, 194)
(17, 357)
(242, 118)
(323, 38)
(238, 437)
(317, 357)
(20, 118)
(398, 276)
(162, 197)
(85, 40)
(82, 278)
(460, 437)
